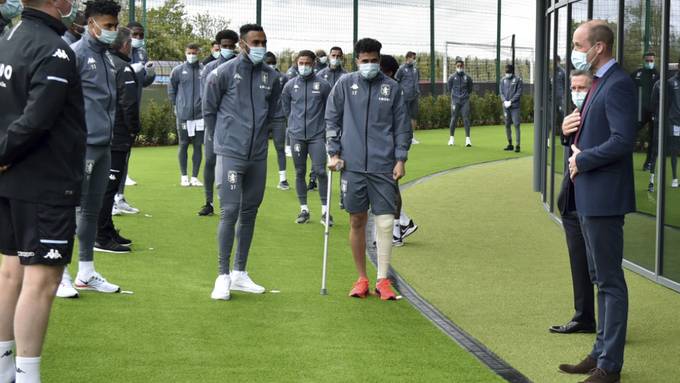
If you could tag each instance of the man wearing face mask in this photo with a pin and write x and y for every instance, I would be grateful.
(227, 40)
(277, 126)
(334, 70)
(214, 53)
(583, 320)
(9, 9)
(409, 78)
(98, 77)
(241, 98)
(292, 71)
(459, 87)
(321, 60)
(511, 94)
(601, 169)
(42, 149)
(76, 30)
(369, 135)
(644, 79)
(184, 91)
(304, 102)
(672, 129)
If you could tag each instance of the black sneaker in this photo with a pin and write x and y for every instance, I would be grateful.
(207, 210)
(330, 220)
(312, 184)
(517, 149)
(509, 148)
(110, 246)
(646, 167)
(119, 239)
(303, 217)
(650, 188)
(408, 229)
(397, 242)
(283, 185)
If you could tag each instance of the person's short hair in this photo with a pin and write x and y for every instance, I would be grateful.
(650, 53)
(122, 38)
(134, 24)
(320, 52)
(410, 54)
(367, 45)
(599, 31)
(389, 64)
(509, 68)
(193, 46)
(246, 28)
(577, 73)
(306, 53)
(101, 7)
(215, 42)
(269, 55)
(226, 34)
(460, 61)
(336, 49)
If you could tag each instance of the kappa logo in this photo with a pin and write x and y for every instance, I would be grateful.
(232, 177)
(265, 78)
(60, 53)
(237, 76)
(296, 87)
(355, 89)
(127, 69)
(185, 72)
(112, 177)
(25, 254)
(325, 76)
(316, 86)
(91, 61)
(297, 148)
(53, 254)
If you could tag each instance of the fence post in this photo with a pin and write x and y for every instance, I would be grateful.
(131, 11)
(433, 56)
(498, 48)
(355, 36)
(258, 16)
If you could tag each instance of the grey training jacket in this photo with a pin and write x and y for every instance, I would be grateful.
(367, 123)
(332, 75)
(240, 99)
(459, 87)
(98, 76)
(304, 103)
(184, 91)
(511, 90)
(408, 77)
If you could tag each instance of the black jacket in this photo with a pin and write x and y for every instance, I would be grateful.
(42, 121)
(126, 125)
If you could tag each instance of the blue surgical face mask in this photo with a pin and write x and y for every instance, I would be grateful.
(578, 98)
(649, 66)
(11, 9)
(137, 43)
(256, 54)
(369, 70)
(335, 62)
(305, 70)
(68, 18)
(216, 54)
(191, 59)
(323, 59)
(580, 59)
(227, 53)
(106, 37)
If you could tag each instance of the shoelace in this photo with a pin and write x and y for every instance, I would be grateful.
(597, 372)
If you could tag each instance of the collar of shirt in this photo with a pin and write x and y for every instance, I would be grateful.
(605, 68)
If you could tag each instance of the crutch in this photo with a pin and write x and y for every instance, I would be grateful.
(327, 230)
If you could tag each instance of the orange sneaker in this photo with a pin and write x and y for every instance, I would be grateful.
(384, 289)
(360, 289)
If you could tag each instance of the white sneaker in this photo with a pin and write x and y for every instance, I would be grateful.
(240, 281)
(289, 152)
(414, 141)
(130, 182)
(195, 182)
(124, 207)
(451, 141)
(675, 183)
(221, 290)
(66, 289)
(184, 181)
(96, 283)
(468, 142)
(115, 211)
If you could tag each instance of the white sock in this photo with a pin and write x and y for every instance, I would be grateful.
(7, 368)
(384, 225)
(324, 209)
(85, 269)
(397, 229)
(28, 370)
(404, 219)
(651, 178)
(304, 208)
(118, 197)
(282, 176)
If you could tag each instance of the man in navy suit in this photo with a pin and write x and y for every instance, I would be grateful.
(601, 169)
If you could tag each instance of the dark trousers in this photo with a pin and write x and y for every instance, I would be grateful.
(604, 244)
(584, 298)
(105, 227)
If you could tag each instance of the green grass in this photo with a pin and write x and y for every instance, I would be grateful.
(489, 256)
(170, 331)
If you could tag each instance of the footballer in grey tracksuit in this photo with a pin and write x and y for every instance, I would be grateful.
(240, 99)
(511, 90)
(459, 87)
(332, 75)
(278, 127)
(184, 91)
(368, 127)
(409, 78)
(304, 102)
(98, 75)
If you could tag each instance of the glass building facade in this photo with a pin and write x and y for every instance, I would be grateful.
(652, 234)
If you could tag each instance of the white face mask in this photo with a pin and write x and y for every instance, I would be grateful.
(191, 59)
(580, 59)
(304, 70)
(369, 70)
(216, 54)
(137, 43)
(323, 59)
(578, 98)
(459, 70)
(335, 61)
(649, 66)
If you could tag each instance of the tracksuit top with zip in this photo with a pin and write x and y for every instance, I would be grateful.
(184, 91)
(367, 123)
(240, 100)
(511, 90)
(98, 76)
(332, 75)
(459, 87)
(304, 102)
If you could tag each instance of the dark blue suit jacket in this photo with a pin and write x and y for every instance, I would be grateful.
(605, 185)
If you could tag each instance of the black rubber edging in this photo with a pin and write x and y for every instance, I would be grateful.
(439, 319)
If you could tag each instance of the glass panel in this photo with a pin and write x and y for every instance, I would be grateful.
(549, 114)
(560, 83)
(671, 256)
